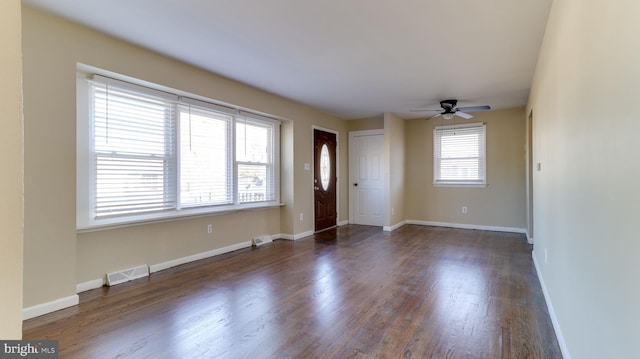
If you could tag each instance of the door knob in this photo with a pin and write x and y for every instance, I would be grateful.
(316, 188)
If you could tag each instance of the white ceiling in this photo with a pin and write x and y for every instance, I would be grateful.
(350, 58)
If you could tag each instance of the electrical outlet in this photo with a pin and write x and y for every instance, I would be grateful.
(301, 216)
(392, 211)
(209, 228)
(465, 209)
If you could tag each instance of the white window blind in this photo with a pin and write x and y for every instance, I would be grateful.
(459, 154)
(134, 155)
(146, 154)
(206, 177)
(255, 139)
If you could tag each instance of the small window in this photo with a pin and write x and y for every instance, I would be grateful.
(325, 167)
(255, 163)
(459, 155)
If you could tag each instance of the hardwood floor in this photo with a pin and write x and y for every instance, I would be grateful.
(417, 292)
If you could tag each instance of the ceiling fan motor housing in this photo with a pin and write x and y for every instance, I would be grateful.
(448, 105)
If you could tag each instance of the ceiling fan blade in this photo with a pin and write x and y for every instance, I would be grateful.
(474, 108)
(418, 110)
(434, 116)
(463, 115)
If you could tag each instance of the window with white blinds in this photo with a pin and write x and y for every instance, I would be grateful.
(133, 151)
(145, 154)
(459, 155)
(206, 176)
(255, 139)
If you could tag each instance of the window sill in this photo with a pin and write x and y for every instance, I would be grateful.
(465, 185)
(122, 222)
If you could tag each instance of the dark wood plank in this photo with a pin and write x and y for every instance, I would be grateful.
(351, 292)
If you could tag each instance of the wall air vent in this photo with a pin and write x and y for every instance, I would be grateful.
(260, 240)
(126, 275)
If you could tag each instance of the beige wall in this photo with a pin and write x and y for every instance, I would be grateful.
(586, 199)
(56, 259)
(287, 160)
(49, 163)
(105, 251)
(394, 158)
(374, 123)
(501, 204)
(11, 180)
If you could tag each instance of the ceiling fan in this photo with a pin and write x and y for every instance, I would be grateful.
(449, 110)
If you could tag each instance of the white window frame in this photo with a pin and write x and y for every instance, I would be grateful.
(481, 181)
(201, 106)
(86, 219)
(270, 163)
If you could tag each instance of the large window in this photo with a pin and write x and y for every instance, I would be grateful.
(459, 155)
(146, 154)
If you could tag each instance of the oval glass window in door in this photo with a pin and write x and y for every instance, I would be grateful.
(325, 167)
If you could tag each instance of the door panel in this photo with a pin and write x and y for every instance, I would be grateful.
(368, 180)
(325, 179)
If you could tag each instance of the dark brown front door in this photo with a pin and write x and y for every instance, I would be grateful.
(324, 180)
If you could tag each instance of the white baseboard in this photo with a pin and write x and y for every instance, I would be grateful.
(176, 262)
(302, 235)
(88, 285)
(275, 236)
(529, 239)
(552, 313)
(468, 226)
(394, 227)
(49, 307)
(295, 237)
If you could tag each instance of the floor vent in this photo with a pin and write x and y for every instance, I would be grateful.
(260, 240)
(126, 275)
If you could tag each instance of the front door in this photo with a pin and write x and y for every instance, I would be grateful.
(324, 179)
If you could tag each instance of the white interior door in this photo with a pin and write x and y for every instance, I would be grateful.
(367, 179)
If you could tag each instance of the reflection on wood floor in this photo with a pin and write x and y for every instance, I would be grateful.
(355, 291)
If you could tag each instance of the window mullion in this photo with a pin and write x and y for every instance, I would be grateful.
(92, 153)
(171, 196)
(233, 157)
(178, 156)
